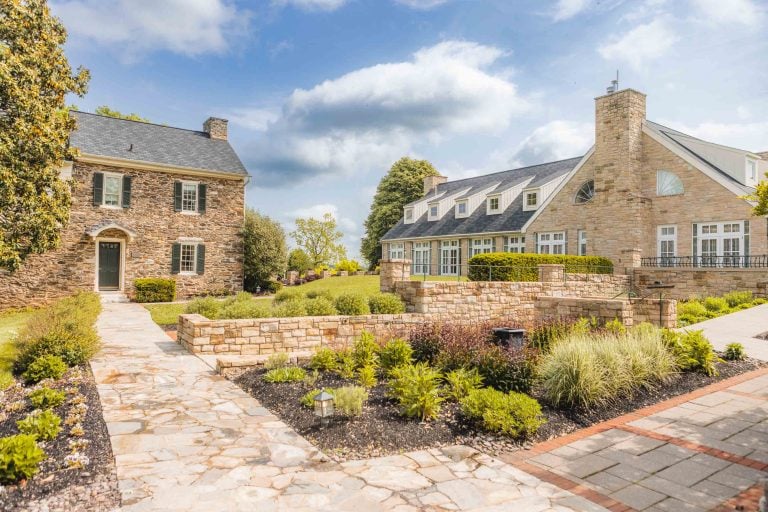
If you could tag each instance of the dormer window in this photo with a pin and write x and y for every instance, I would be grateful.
(408, 215)
(494, 204)
(433, 211)
(461, 207)
(751, 171)
(530, 200)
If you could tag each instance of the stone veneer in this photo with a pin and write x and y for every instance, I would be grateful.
(157, 226)
(700, 282)
(459, 302)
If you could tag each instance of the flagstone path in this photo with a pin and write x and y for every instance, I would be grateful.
(187, 439)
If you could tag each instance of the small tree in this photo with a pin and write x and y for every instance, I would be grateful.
(35, 124)
(404, 183)
(104, 110)
(298, 260)
(320, 239)
(761, 197)
(264, 249)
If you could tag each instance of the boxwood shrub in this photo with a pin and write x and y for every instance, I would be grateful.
(155, 289)
(504, 266)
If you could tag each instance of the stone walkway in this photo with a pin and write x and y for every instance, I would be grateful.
(187, 439)
(693, 453)
(742, 327)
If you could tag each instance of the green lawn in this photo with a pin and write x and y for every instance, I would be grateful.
(364, 285)
(10, 323)
(167, 314)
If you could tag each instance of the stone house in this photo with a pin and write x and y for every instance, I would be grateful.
(147, 201)
(645, 196)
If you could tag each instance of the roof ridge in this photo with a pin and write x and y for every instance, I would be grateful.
(140, 122)
(678, 132)
(516, 169)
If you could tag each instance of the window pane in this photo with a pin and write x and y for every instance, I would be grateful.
(112, 190)
(188, 258)
(189, 197)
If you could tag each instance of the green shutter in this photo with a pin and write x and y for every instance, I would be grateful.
(98, 188)
(176, 258)
(202, 189)
(200, 258)
(177, 196)
(126, 191)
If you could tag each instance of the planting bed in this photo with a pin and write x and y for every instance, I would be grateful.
(381, 430)
(56, 487)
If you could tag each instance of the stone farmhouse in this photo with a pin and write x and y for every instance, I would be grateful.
(147, 201)
(645, 196)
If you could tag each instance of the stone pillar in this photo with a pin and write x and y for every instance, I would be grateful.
(434, 258)
(463, 256)
(551, 273)
(325, 273)
(630, 259)
(393, 271)
(292, 276)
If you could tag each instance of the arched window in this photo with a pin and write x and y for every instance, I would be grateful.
(668, 184)
(586, 192)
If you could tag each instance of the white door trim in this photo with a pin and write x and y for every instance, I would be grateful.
(121, 241)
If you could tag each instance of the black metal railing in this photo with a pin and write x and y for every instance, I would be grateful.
(706, 262)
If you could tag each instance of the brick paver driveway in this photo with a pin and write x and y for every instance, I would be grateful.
(187, 439)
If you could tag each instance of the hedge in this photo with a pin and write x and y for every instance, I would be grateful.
(155, 289)
(505, 266)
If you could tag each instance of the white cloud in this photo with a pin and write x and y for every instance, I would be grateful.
(642, 44)
(189, 27)
(748, 136)
(313, 5)
(567, 9)
(370, 117)
(253, 118)
(421, 4)
(556, 140)
(726, 12)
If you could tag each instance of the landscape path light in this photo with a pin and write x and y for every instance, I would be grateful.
(324, 406)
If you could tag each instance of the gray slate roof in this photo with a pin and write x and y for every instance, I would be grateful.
(510, 220)
(111, 137)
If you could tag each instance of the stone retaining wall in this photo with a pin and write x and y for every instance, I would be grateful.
(701, 282)
(604, 310)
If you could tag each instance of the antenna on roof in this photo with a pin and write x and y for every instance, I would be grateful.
(614, 84)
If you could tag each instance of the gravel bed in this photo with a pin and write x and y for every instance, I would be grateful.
(380, 430)
(55, 487)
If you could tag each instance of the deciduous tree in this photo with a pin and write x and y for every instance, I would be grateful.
(264, 249)
(104, 110)
(35, 124)
(404, 183)
(299, 261)
(320, 239)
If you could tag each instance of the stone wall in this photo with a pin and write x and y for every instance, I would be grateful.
(156, 225)
(265, 336)
(700, 282)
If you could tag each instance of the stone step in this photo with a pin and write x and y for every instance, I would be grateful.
(113, 297)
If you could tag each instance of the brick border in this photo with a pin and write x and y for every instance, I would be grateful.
(749, 497)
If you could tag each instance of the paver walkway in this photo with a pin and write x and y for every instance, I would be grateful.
(739, 327)
(689, 454)
(187, 439)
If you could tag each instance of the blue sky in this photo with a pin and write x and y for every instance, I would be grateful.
(323, 95)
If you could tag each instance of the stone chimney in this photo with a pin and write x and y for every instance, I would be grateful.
(216, 128)
(430, 182)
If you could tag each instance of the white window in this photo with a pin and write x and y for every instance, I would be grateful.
(530, 200)
(408, 215)
(721, 244)
(551, 243)
(449, 258)
(668, 184)
(494, 204)
(189, 196)
(188, 262)
(433, 210)
(461, 209)
(751, 171)
(396, 251)
(582, 242)
(514, 244)
(667, 245)
(585, 193)
(481, 246)
(113, 189)
(422, 255)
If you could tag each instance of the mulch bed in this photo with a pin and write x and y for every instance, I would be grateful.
(380, 430)
(55, 487)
